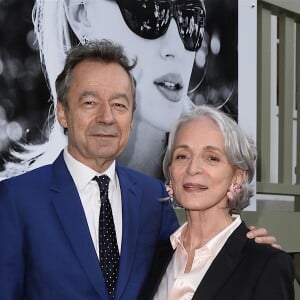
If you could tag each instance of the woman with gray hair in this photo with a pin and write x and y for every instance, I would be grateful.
(210, 163)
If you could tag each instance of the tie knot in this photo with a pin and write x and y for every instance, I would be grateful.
(103, 182)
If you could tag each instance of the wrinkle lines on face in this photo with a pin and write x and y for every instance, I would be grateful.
(200, 171)
(99, 114)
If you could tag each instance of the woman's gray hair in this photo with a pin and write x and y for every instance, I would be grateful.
(239, 149)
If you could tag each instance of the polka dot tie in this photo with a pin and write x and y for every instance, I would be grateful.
(108, 247)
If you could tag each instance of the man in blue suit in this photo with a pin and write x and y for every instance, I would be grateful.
(49, 216)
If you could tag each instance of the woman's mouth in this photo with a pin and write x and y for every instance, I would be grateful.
(194, 187)
(170, 86)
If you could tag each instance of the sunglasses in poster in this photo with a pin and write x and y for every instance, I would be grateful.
(151, 19)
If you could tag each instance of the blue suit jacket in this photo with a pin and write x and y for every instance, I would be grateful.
(46, 251)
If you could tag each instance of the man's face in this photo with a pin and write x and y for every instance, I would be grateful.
(99, 113)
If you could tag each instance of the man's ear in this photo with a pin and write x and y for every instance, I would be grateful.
(61, 115)
(76, 12)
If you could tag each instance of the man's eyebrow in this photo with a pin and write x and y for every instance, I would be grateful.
(119, 95)
(96, 94)
(88, 93)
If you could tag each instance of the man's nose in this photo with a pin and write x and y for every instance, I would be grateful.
(105, 114)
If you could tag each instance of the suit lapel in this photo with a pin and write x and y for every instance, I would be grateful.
(131, 201)
(72, 218)
(162, 258)
(223, 265)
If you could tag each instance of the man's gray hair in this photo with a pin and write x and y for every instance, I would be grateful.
(103, 51)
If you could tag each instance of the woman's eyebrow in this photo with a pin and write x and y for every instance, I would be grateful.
(182, 146)
(213, 148)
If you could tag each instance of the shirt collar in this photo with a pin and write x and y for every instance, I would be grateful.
(83, 174)
(212, 244)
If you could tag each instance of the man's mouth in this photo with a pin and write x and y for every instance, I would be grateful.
(102, 133)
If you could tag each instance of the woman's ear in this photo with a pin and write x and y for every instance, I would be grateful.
(240, 176)
(237, 181)
(76, 12)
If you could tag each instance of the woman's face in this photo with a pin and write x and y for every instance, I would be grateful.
(164, 65)
(200, 172)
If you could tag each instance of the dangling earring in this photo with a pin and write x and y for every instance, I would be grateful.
(84, 40)
(174, 203)
(234, 190)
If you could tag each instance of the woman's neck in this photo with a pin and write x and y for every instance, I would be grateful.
(202, 227)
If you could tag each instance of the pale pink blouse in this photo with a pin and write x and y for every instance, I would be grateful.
(177, 285)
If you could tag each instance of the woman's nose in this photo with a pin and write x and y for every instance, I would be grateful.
(195, 166)
(171, 44)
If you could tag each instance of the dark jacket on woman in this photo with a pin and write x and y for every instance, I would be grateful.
(242, 270)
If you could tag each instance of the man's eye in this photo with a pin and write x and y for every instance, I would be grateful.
(120, 105)
(89, 102)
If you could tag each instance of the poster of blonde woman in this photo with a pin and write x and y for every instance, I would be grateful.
(187, 54)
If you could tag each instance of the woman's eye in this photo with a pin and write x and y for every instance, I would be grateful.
(213, 158)
(180, 156)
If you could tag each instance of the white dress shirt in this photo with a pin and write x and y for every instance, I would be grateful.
(177, 285)
(89, 194)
